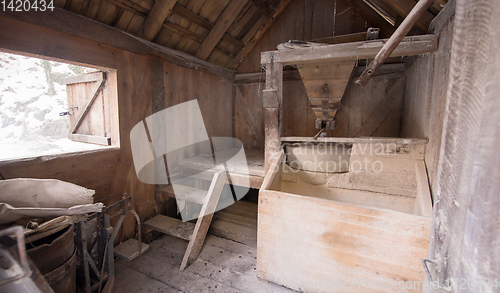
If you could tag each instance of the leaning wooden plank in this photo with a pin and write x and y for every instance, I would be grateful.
(89, 77)
(67, 22)
(220, 27)
(414, 45)
(88, 105)
(203, 222)
(102, 140)
(160, 11)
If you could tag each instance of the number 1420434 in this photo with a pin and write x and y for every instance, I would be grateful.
(27, 5)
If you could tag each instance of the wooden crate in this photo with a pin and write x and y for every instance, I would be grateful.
(316, 238)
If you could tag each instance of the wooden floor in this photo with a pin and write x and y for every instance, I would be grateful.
(226, 264)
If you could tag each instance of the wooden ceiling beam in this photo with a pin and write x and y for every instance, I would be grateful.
(250, 42)
(74, 24)
(414, 45)
(130, 6)
(134, 8)
(192, 35)
(225, 20)
(181, 11)
(403, 7)
(195, 18)
(160, 11)
(263, 6)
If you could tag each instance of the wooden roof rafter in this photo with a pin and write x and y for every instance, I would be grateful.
(221, 32)
(160, 11)
(257, 32)
(225, 20)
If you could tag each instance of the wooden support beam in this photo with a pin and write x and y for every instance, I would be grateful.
(89, 77)
(263, 6)
(192, 35)
(195, 18)
(139, 10)
(257, 77)
(130, 6)
(274, 81)
(289, 75)
(403, 8)
(67, 22)
(160, 11)
(383, 140)
(220, 28)
(255, 37)
(444, 16)
(414, 45)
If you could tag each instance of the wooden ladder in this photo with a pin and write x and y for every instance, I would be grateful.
(194, 233)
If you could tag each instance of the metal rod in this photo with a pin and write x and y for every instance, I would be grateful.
(396, 38)
(319, 133)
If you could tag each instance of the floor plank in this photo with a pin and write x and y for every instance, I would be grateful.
(225, 264)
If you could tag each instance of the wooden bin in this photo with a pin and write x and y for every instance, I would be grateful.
(351, 232)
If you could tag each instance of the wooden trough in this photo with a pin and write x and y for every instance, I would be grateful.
(363, 230)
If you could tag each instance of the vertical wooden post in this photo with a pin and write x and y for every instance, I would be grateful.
(272, 99)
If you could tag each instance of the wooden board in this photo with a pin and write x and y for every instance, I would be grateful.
(337, 242)
(414, 45)
(171, 226)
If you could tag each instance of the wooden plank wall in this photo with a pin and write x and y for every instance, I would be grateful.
(462, 111)
(373, 110)
(425, 97)
(306, 20)
(145, 85)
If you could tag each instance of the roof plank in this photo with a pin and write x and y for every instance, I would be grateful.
(74, 24)
(255, 38)
(193, 17)
(225, 20)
